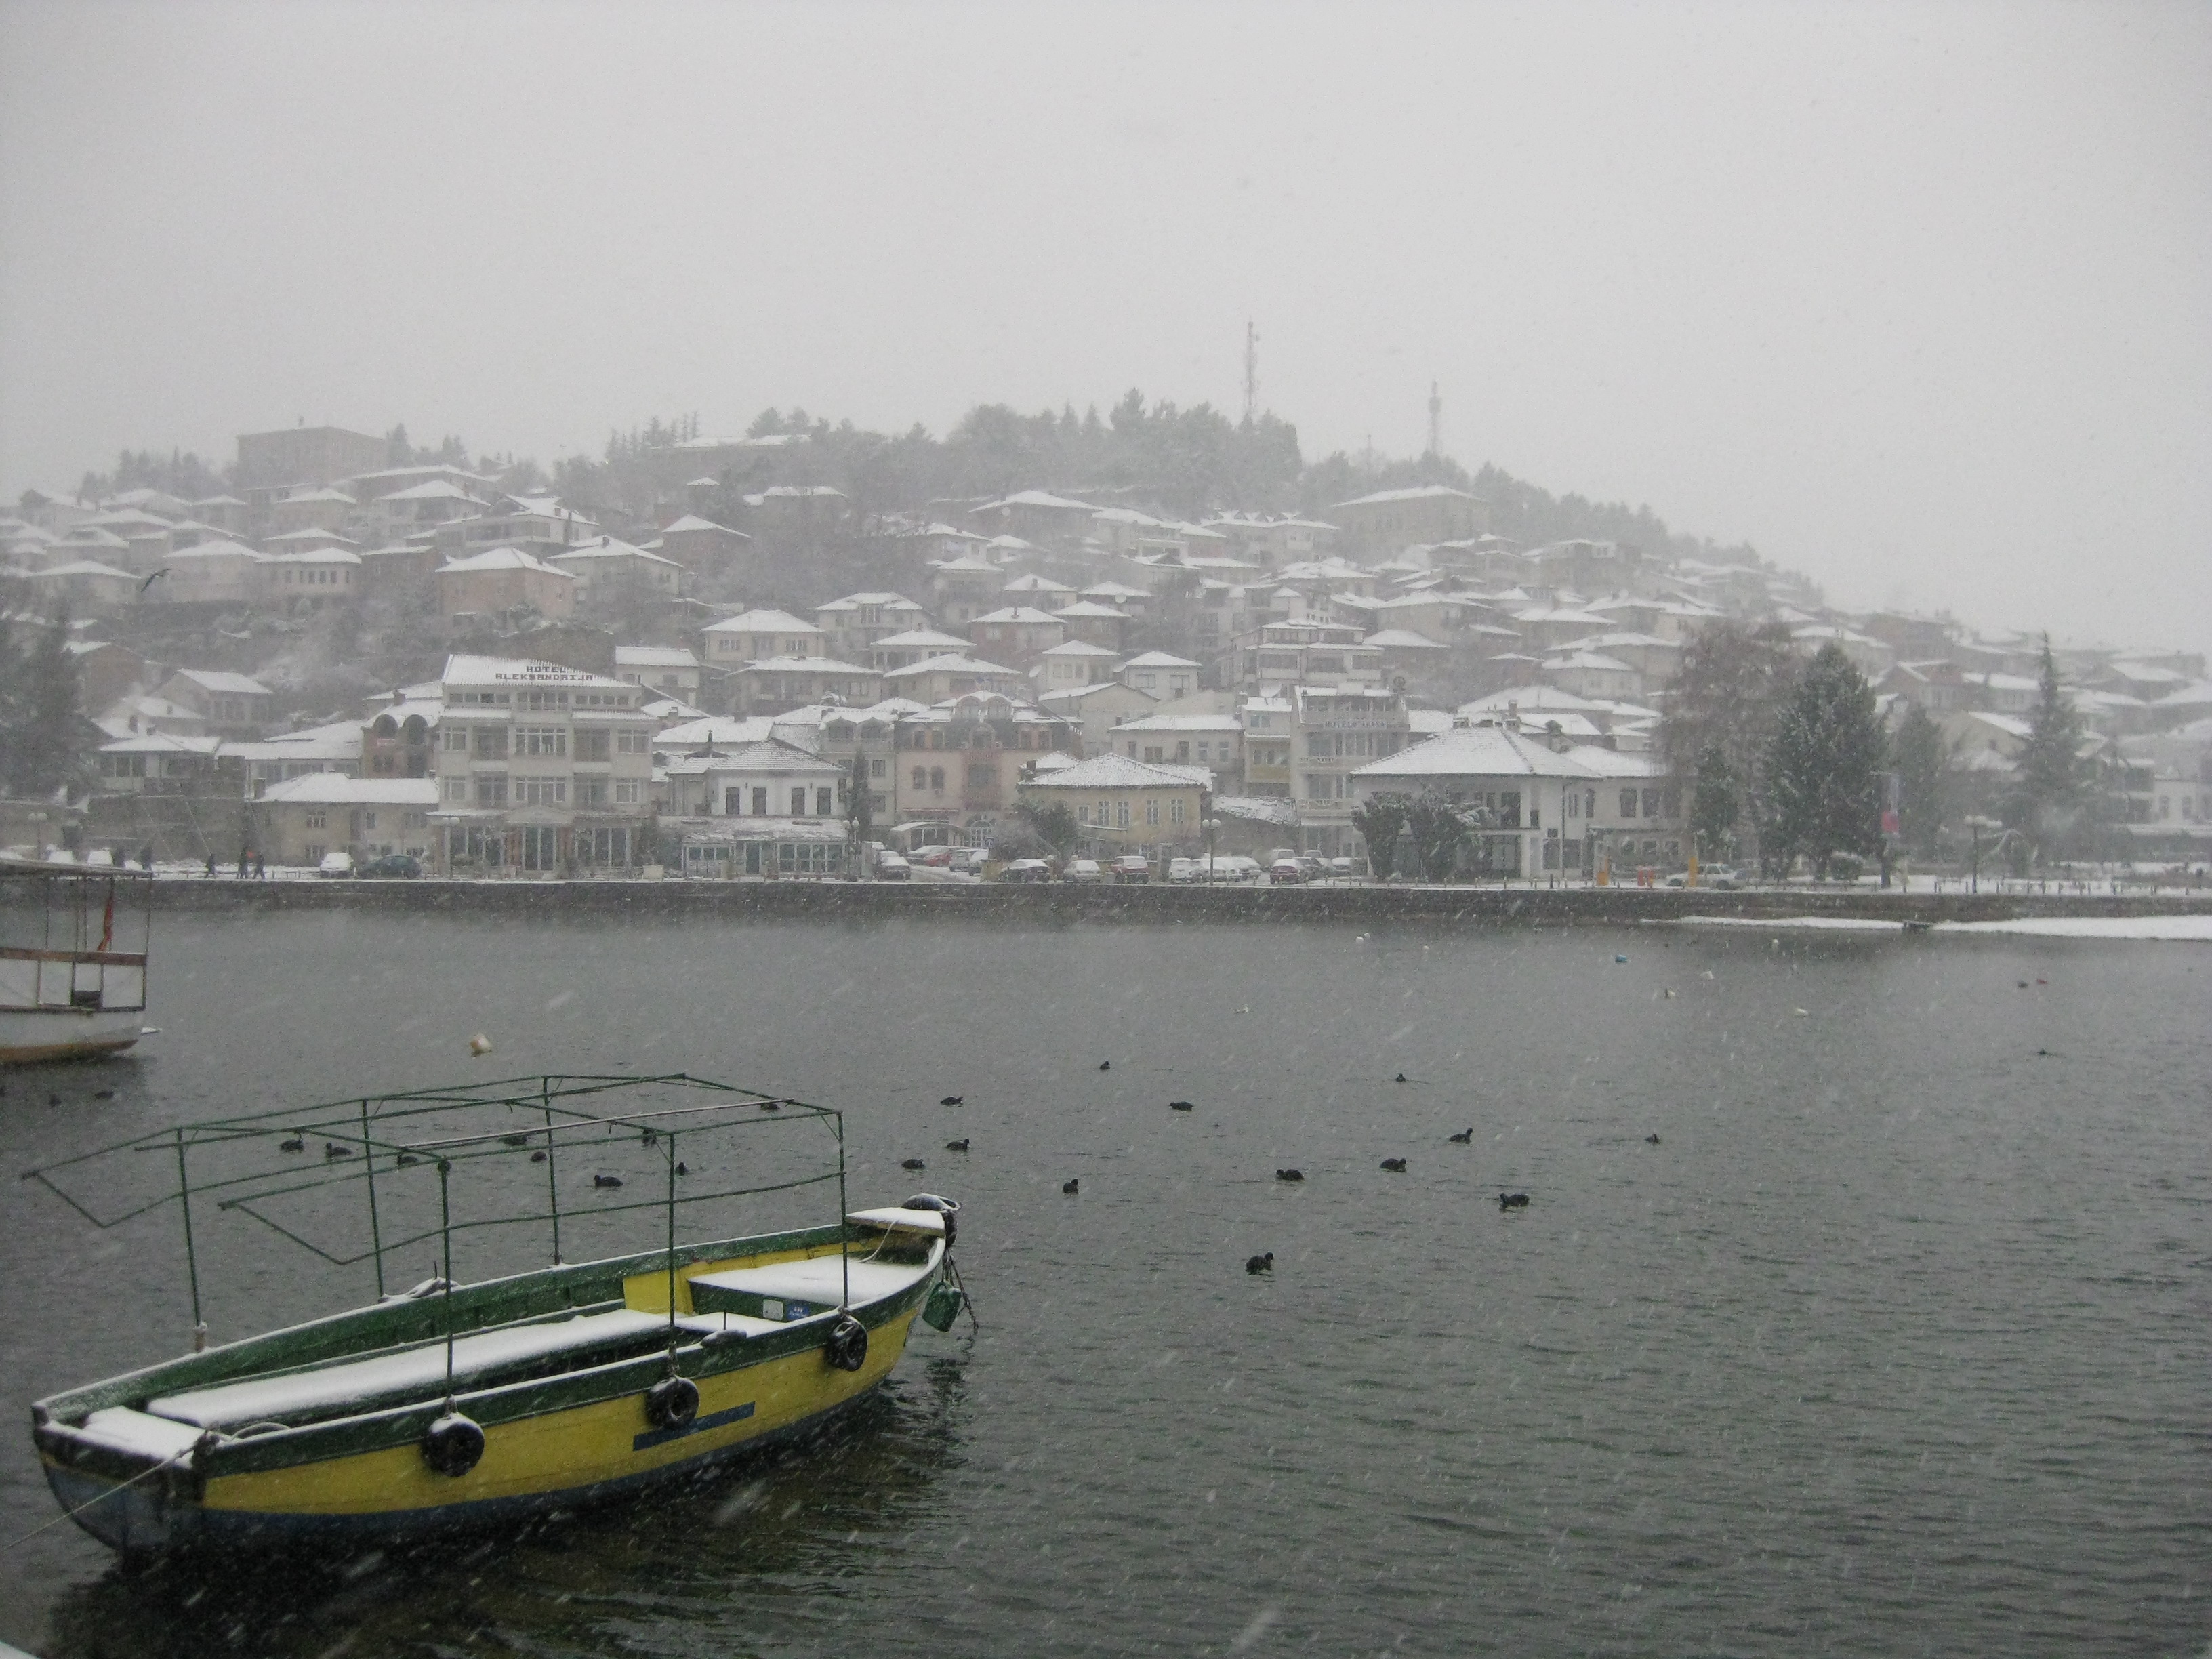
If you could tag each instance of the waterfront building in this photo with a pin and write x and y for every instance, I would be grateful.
(541, 768)
(1124, 806)
(301, 819)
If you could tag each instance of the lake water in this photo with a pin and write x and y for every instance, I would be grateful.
(1897, 1341)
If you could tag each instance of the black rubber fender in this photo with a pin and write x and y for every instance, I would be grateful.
(672, 1403)
(847, 1347)
(452, 1445)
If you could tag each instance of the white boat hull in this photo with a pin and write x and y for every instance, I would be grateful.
(36, 1034)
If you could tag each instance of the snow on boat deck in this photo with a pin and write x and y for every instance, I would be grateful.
(414, 1370)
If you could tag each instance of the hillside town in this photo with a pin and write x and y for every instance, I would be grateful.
(334, 661)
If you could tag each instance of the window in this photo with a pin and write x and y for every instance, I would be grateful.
(592, 745)
(1083, 814)
(457, 789)
(1574, 806)
(733, 801)
(760, 801)
(318, 820)
(936, 776)
(541, 791)
(633, 743)
(491, 789)
(313, 851)
(626, 793)
(825, 803)
(921, 777)
(457, 740)
(1590, 803)
(1652, 803)
(878, 768)
(1628, 803)
(1152, 812)
(798, 801)
(1175, 810)
(1202, 752)
(981, 777)
(368, 820)
(1121, 815)
(491, 743)
(540, 741)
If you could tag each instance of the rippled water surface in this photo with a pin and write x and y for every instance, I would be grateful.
(1897, 1341)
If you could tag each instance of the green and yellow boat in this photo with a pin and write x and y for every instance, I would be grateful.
(454, 1404)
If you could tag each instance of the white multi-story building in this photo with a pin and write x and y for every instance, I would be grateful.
(541, 769)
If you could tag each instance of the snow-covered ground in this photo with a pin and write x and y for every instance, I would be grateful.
(2191, 929)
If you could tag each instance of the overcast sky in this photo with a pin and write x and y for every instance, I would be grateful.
(1917, 298)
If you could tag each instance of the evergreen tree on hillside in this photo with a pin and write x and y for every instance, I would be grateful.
(1921, 759)
(1824, 765)
(2048, 798)
(43, 737)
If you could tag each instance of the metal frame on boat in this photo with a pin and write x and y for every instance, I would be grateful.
(73, 947)
(454, 1405)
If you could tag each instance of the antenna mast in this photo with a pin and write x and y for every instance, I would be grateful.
(1251, 373)
(1435, 420)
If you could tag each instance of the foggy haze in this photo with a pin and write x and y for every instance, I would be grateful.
(1915, 300)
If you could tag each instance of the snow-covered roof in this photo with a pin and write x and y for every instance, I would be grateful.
(952, 663)
(1527, 697)
(1182, 723)
(1090, 610)
(1415, 493)
(318, 555)
(1038, 498)
(1078, 649)
(692, 521)
(302, 537)
(1018, 613)
(465, 670)
(718, 730)
(1403, 639)
(766, 754)
(1159, 659)
(1485, 751)
(437, 489)
(803, 665)
(1121, 772)
(761, 622)
(336, 789)
(921, 639)
(607, 547)
(82, 567)
(501, 558)
(223, 680)
(654, 656)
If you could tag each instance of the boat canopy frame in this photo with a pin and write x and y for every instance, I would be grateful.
(374, 1124)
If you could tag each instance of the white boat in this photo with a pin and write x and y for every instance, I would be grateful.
(73, 941)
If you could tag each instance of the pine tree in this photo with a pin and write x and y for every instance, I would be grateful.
(2049, 798)
(41, 733)
(1921, 759)
(1735, 682)
(1823, 767)
(1716, 804)
(1436, 830)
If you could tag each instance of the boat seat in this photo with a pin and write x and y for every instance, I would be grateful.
(381, 1381)
(785, 1291)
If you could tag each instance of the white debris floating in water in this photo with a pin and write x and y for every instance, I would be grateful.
(480, 1044)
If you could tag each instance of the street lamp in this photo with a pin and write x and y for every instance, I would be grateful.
(1978, 824)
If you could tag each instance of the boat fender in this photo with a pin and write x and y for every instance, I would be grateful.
(672, 1403)
(452, 1445)
(847, 1347)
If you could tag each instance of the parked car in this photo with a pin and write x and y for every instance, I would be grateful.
(1723, 877)
(335, 864)
(1027, 869)
(1339, 867)
(1085, 869)
(1183, 869)
(893, 867)
(971, 858)
(1287, 872)
(939, 856)
(1134, 866)
(400, 865)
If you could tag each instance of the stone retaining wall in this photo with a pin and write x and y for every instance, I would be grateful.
(1064, 902)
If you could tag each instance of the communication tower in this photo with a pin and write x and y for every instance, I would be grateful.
(1435, 420)
(1251, 373)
